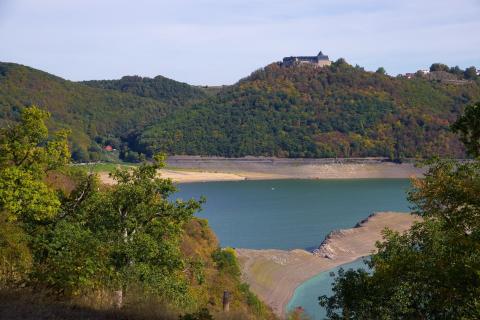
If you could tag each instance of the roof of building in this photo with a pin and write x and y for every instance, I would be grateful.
(318, 57)
(322, 56)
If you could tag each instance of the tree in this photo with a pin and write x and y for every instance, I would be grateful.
(15, 255)
(381, 70)
(143, 228)
(471, 73)
(456, 70)
(27, 153)
(125, 236)
(91, 238)
(70, 258)
(439, 67)
(433, 270)
(468, 127)
(340, 62)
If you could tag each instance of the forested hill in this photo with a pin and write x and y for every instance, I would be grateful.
(159, 88)
(97, 117)
(336, 111)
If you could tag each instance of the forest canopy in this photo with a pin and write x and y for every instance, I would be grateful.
(302, 111)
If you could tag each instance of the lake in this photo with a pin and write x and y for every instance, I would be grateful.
(289, 214)
(307, 294)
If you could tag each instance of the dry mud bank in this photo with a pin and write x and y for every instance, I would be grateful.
(280, 168)
(275, 274)
(188, 169)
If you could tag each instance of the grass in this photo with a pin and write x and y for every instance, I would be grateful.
(110, 166)
(103, 167)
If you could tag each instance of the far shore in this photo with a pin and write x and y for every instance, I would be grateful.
(275, 274)
(192, 169)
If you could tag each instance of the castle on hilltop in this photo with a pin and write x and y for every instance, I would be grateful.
(319, 60)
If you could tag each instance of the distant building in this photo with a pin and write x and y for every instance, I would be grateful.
(409, 75)
(319, 60)
(108, 148)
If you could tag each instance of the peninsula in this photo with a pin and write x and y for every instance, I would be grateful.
(275, 274)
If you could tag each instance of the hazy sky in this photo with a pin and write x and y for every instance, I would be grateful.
(220, 41)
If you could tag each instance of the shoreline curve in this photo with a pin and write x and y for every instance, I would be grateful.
(275, 274)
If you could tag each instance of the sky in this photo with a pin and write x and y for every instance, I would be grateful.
(213, 42)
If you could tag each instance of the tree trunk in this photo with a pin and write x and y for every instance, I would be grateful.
(118, 294)
(226, 301)
(118, 299)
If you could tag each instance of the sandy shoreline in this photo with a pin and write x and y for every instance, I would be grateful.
(198, 169)
(278, 168)
(185, 176)
(275, 274)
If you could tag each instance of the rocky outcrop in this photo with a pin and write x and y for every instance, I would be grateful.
(351, 242)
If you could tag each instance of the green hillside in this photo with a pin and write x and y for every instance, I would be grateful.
(337, 111)
(97, 117)
(158, 88)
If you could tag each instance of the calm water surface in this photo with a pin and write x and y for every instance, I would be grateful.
(307, 294)
(288, 214)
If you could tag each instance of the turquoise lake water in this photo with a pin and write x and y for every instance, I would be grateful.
(307, 294)
(289, 214)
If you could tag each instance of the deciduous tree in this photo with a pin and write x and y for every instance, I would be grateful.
(468, 127)
(27, 152)
(433, 270)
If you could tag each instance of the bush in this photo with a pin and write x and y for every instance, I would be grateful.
(203, 314)
(226, 261)
(252, 299)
